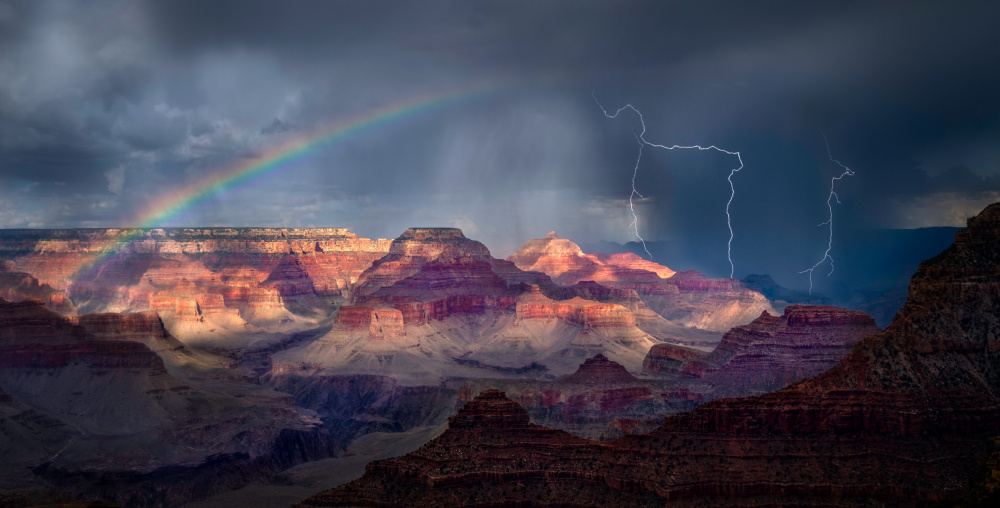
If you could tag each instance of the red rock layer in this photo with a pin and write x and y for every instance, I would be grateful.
(905, 419)
(432, 273)
(239, 263)
(634, 262)
(412, 249)
(589, 313)
(381, 322)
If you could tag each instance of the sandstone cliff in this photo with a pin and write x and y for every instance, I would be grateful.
(567, 264)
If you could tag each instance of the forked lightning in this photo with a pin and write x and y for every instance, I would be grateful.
(829, 222)
(641, 138)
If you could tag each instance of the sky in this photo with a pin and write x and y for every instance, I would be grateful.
(106, 105)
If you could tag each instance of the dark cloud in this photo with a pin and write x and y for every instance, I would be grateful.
(103, 105)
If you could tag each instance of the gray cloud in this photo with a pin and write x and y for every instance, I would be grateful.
(105, 105)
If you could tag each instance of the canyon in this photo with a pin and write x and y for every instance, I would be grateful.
(438, 302)
(212, 286)
(209, 361)
(907, 418)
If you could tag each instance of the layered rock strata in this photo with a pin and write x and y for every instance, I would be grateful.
(773, 352)
(438, 305)
(222, 278)
(687, 299)
(905, 419)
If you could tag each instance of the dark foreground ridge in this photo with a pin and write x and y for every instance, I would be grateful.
(906, 419)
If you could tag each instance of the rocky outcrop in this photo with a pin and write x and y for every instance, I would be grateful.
(634, 262)
(588, 313)
(382, 323)
(709, 304)
(905, 419)
(600, 370)
(411, 250)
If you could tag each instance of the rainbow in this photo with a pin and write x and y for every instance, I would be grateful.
(283, 155)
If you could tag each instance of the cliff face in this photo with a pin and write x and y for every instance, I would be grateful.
(429, 274)
(198, 280)
(906, 418)
(332, 257)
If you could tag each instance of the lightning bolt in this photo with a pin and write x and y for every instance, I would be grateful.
(641, 138)
(829, 222)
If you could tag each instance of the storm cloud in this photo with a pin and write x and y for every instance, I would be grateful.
(105, 105)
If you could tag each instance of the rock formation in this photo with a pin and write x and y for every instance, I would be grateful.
(905, 419)
(16, 286)
(774, 352)
(438, 305)
(687, 299)
(603, 400)
(563, 260)
(206, 283)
